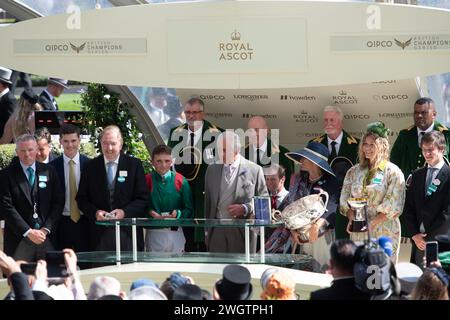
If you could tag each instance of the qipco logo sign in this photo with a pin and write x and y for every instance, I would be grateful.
(56, 47)
(212, 97)
(379, 44)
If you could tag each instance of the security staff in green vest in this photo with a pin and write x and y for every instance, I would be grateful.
(340, 145)
(406, 152)
(265, 151)
(192, 146)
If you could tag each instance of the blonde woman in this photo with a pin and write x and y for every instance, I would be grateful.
(381, 182)
(22, 120)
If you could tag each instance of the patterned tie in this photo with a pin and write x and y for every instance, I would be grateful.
(430, 175)
(273, 202)
(228, 173)
(333, 150)
(31, 176)
(110, 173)
(74, 211)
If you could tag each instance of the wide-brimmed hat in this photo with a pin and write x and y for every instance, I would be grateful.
(235, 283)
(5, 75)
(315, 152)
(59, 82)
(29, 96)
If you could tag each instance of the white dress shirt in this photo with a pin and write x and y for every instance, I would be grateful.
(197, 135)
(4, 92)
(419, 136)
(281, 195)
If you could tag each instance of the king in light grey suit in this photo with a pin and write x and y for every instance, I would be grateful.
(229, 189)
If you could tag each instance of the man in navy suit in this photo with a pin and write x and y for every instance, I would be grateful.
(72, 230)
(55, 88)
(343, 287)
(427, 205)
(113, 186)
(31, 200)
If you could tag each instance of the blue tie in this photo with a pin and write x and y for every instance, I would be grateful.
(110, 173)
(31, 176)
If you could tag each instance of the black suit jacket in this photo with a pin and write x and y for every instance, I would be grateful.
(58, 164)
(17, 206)
(46, 102)
(341, 289)
(8, 104)
(132, 196)
(432, 210)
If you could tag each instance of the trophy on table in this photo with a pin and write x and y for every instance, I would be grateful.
(359, 224)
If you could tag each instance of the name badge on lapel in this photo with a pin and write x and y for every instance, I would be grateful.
(42, 182)
(433, 186)
(378, 178)
(122, 176)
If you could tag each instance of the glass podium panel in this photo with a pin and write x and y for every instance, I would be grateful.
(201, 223)
(302, 262)
(201, 257)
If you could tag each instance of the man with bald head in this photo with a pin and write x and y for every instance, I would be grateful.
(264, 151)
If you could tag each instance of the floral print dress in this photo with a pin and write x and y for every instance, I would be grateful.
(384, 188)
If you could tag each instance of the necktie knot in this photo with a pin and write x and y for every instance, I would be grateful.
(31, 176)
(273, 201)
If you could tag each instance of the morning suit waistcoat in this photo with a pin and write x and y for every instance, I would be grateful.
(227, 190)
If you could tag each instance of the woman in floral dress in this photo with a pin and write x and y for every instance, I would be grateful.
(381, 182)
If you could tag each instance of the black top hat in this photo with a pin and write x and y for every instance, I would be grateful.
(235, 283)
(5, 75)
(30, 96)
(187, 292)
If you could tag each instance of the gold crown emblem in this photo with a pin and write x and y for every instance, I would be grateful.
(342, 93)
(235, 36)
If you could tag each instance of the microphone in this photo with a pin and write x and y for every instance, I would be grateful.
(386, 244)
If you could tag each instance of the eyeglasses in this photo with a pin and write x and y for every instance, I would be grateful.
(194, 113)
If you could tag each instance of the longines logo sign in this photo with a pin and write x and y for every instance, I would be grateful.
(235, 49)
(344, 98)
(75, 47)
(250, 97)
(429, 42)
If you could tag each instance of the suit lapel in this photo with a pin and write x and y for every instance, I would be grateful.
(421, 177)
(442, 176)
(22, 181)
(123, 166)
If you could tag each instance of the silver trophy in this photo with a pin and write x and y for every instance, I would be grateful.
(359, 224)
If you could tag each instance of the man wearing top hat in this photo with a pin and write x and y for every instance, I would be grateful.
(427, 205)
(8, 102)
(55, 88)
(31, 202)
(234, 285)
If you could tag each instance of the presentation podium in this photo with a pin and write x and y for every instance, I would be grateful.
(120, 257)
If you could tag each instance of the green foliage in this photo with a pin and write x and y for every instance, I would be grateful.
(103, 108)
(7, 152)
(88, 149)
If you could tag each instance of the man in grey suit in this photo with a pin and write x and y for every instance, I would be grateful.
(230, 186)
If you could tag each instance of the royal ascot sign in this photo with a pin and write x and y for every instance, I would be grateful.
(235, 45)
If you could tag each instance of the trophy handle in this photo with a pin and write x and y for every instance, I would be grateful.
(276, 215)
(325, 194)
